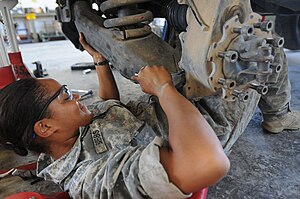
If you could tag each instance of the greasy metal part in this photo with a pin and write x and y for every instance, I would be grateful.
(9, 28)
(229, 56)
(264, 26)
(261, 89)
(126, 16)
(227, 83)
(128, 20)
(252, 66)
(111, 4)
(239, 95)
(236, 50)
(276, 67)
(245, 30)
(127, 56)
(196, 43)
(276, 41)
(63, 11)
(136, 33)
(176, 15)
(240, 49)
(196, 13)
(235, 10)
(62, 3)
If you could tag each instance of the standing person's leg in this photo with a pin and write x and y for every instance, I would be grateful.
(228, 119)
(275, 105)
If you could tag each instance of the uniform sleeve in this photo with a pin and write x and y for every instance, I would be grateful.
(152, 175)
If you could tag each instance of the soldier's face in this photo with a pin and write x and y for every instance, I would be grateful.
(67, 113)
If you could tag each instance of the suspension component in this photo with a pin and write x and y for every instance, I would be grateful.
(126, 16)
(264, 59)
(229, 56)
(261, 89)
(245, 55)
(227, 83)
(240, 95)
(177, 15)
(63, 11)
(276, 67)
(277, 41)
(266, 26)
(245, 30)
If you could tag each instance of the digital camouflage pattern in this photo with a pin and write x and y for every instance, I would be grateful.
(112, 159)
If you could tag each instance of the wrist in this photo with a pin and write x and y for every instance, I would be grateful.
(98, 57)
(101, 63)
(164, 89)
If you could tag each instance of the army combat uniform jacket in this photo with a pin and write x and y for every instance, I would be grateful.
(116, 156)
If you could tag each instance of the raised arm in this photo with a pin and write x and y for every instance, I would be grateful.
(195, 157)
(107, 85)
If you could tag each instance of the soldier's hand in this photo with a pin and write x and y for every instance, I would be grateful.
(97, 57)
(153, 79)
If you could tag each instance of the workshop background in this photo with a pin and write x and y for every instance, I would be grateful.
(262, 165)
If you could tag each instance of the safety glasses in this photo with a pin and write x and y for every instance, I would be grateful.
(63, 94)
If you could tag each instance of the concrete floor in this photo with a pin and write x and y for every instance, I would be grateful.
(262, 165)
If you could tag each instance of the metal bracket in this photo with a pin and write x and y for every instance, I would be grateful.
(63, 11)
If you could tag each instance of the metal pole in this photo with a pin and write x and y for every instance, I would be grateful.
(10, 30)
(4, 60)
(6, 6)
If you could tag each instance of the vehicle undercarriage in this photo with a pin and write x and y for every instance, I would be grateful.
(225, 47)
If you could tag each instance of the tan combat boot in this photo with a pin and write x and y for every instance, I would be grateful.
(290, 121)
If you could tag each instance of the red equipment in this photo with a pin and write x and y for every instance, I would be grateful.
(26, 195)
(8, 73)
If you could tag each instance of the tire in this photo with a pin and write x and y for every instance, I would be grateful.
(289, 28)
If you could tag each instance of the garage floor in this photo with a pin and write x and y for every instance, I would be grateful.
(262, 165)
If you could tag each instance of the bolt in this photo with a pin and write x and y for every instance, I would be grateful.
(244, 30)
(261, 89)
(222, 81)
(276, 67)
(266, 26)
(227, 83)
(240, 95)
(230, 56)
(276, 42)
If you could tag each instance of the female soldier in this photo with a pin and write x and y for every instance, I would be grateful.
(96, 152)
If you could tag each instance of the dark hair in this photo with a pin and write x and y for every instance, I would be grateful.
(20, 105)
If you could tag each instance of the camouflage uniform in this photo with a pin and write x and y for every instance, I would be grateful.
(116, 156)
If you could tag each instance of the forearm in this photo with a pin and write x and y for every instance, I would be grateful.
(194, 158)
(186, 123)
(193, 145)
(107, 85)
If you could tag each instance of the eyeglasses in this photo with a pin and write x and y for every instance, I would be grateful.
(63, 94)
